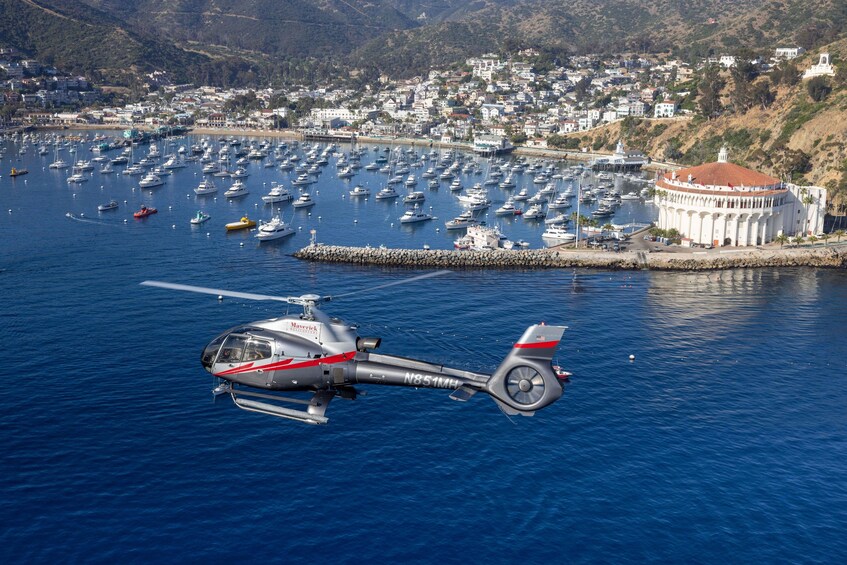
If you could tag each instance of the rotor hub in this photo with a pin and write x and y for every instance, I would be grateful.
(525, 385)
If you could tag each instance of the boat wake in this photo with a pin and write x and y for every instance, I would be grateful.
(80, 218)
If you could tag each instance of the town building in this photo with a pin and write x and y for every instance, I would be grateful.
(723, 203)
(787, 53)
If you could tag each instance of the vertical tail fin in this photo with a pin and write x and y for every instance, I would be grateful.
(525, 382)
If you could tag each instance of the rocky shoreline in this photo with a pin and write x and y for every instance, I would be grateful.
(834, 257)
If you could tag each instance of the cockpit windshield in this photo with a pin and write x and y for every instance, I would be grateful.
(240, 348)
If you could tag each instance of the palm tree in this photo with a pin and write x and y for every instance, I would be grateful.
(798, 239)
(781, 239)
(838, 234)
(813, 239)
(825, 237)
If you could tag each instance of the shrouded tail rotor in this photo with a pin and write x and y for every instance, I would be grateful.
(525, 381)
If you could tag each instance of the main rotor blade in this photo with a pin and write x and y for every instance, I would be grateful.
(394, 283)
(215, 291)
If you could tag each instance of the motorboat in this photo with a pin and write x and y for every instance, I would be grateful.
(507, 209)
(199, 218)
(603, 212)
(302, 180)
(58, 164)
(522, 195)
(77, 178)
(415, 197)
(462, 221)
(107, 169)
(174, 163)
(134, 170)
(18, 172)
(537, 198)
(508, 183)
(413, 215)
(360, 190)
(237, 190)
(411, 181)
(111, 205)
(304, 201)
(559, 203)
(430, 173)
(243, 223)
(433, 184)
(144, 212)
(630, 196)
(83, 166)
(206, 186)
(151, 180)
(534, 212)
(558, 233)
(346, 173)
(477, 202)
(456, 185)
(387, 193)
(275, 229)
(557, 219)
(277, 194)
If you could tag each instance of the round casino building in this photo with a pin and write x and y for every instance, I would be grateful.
(722, 204)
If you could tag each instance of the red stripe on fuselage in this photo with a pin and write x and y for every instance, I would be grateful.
(539, 345)
(286, 364)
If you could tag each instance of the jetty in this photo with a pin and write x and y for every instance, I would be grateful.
(558, 258)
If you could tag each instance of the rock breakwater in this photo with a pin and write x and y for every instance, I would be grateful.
(831, 257)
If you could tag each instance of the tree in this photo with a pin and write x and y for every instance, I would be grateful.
(709, 90)
(838, 234)
(781, 239)
(813, 239)
(818, 88)
(798, 239)
(825, 237)
(761, 94)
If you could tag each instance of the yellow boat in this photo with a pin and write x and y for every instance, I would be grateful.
(241, 224)
(18, 172)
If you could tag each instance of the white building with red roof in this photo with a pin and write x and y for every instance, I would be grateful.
(725, 204)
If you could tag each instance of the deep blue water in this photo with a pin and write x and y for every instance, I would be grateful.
(725, 439)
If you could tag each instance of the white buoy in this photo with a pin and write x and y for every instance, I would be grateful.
(170, 207)
(173, 226)
(241, 244)
(208, 234)
(220, 298)
(632, 357)
(355, 221)
(124, 220)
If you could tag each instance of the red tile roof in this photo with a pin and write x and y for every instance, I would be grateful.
(723, 174)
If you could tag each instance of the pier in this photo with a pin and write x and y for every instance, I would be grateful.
(558, 258)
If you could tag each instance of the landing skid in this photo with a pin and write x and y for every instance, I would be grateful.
(313, 414)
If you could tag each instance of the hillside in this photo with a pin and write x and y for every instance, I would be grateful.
(794, 137)
(400, 37)
(88, 42)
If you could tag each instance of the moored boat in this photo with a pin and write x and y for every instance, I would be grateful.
(241, 224)
(111, 205)
(275, 229)
(200, 217)
(144, 212)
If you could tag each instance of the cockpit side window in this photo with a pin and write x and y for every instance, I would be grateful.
(232, 350)
(257, 350)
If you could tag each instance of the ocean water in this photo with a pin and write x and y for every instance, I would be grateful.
(724, 440)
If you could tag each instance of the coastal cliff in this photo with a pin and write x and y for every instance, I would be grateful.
(826, 257)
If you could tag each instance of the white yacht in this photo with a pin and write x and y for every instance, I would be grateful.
(199, 218)
(557, 234)
(535, 212)
(275, 229)
(630, 196)
(456, 185)
(462, 221)
(360, 190)
(559, 219)
(206, 186)
(507, 209)
(522, 195)
(278, 193)
(107, 169)
(58, 164)
(414, 215)
(77, 178)
(560, 202)
(302, 180)
(174, 163)
(477, 202)
(387, 193)
(150, 180)
(411, 181)
(346, 173)
(415, 197)
(237, 190)
(239, 174)
(305, 201)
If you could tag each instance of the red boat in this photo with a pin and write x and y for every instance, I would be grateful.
(144, 212)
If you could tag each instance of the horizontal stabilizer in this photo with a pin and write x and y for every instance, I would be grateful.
(463, 393)
(509, 411)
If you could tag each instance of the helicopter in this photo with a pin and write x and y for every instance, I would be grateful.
(322, 355)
